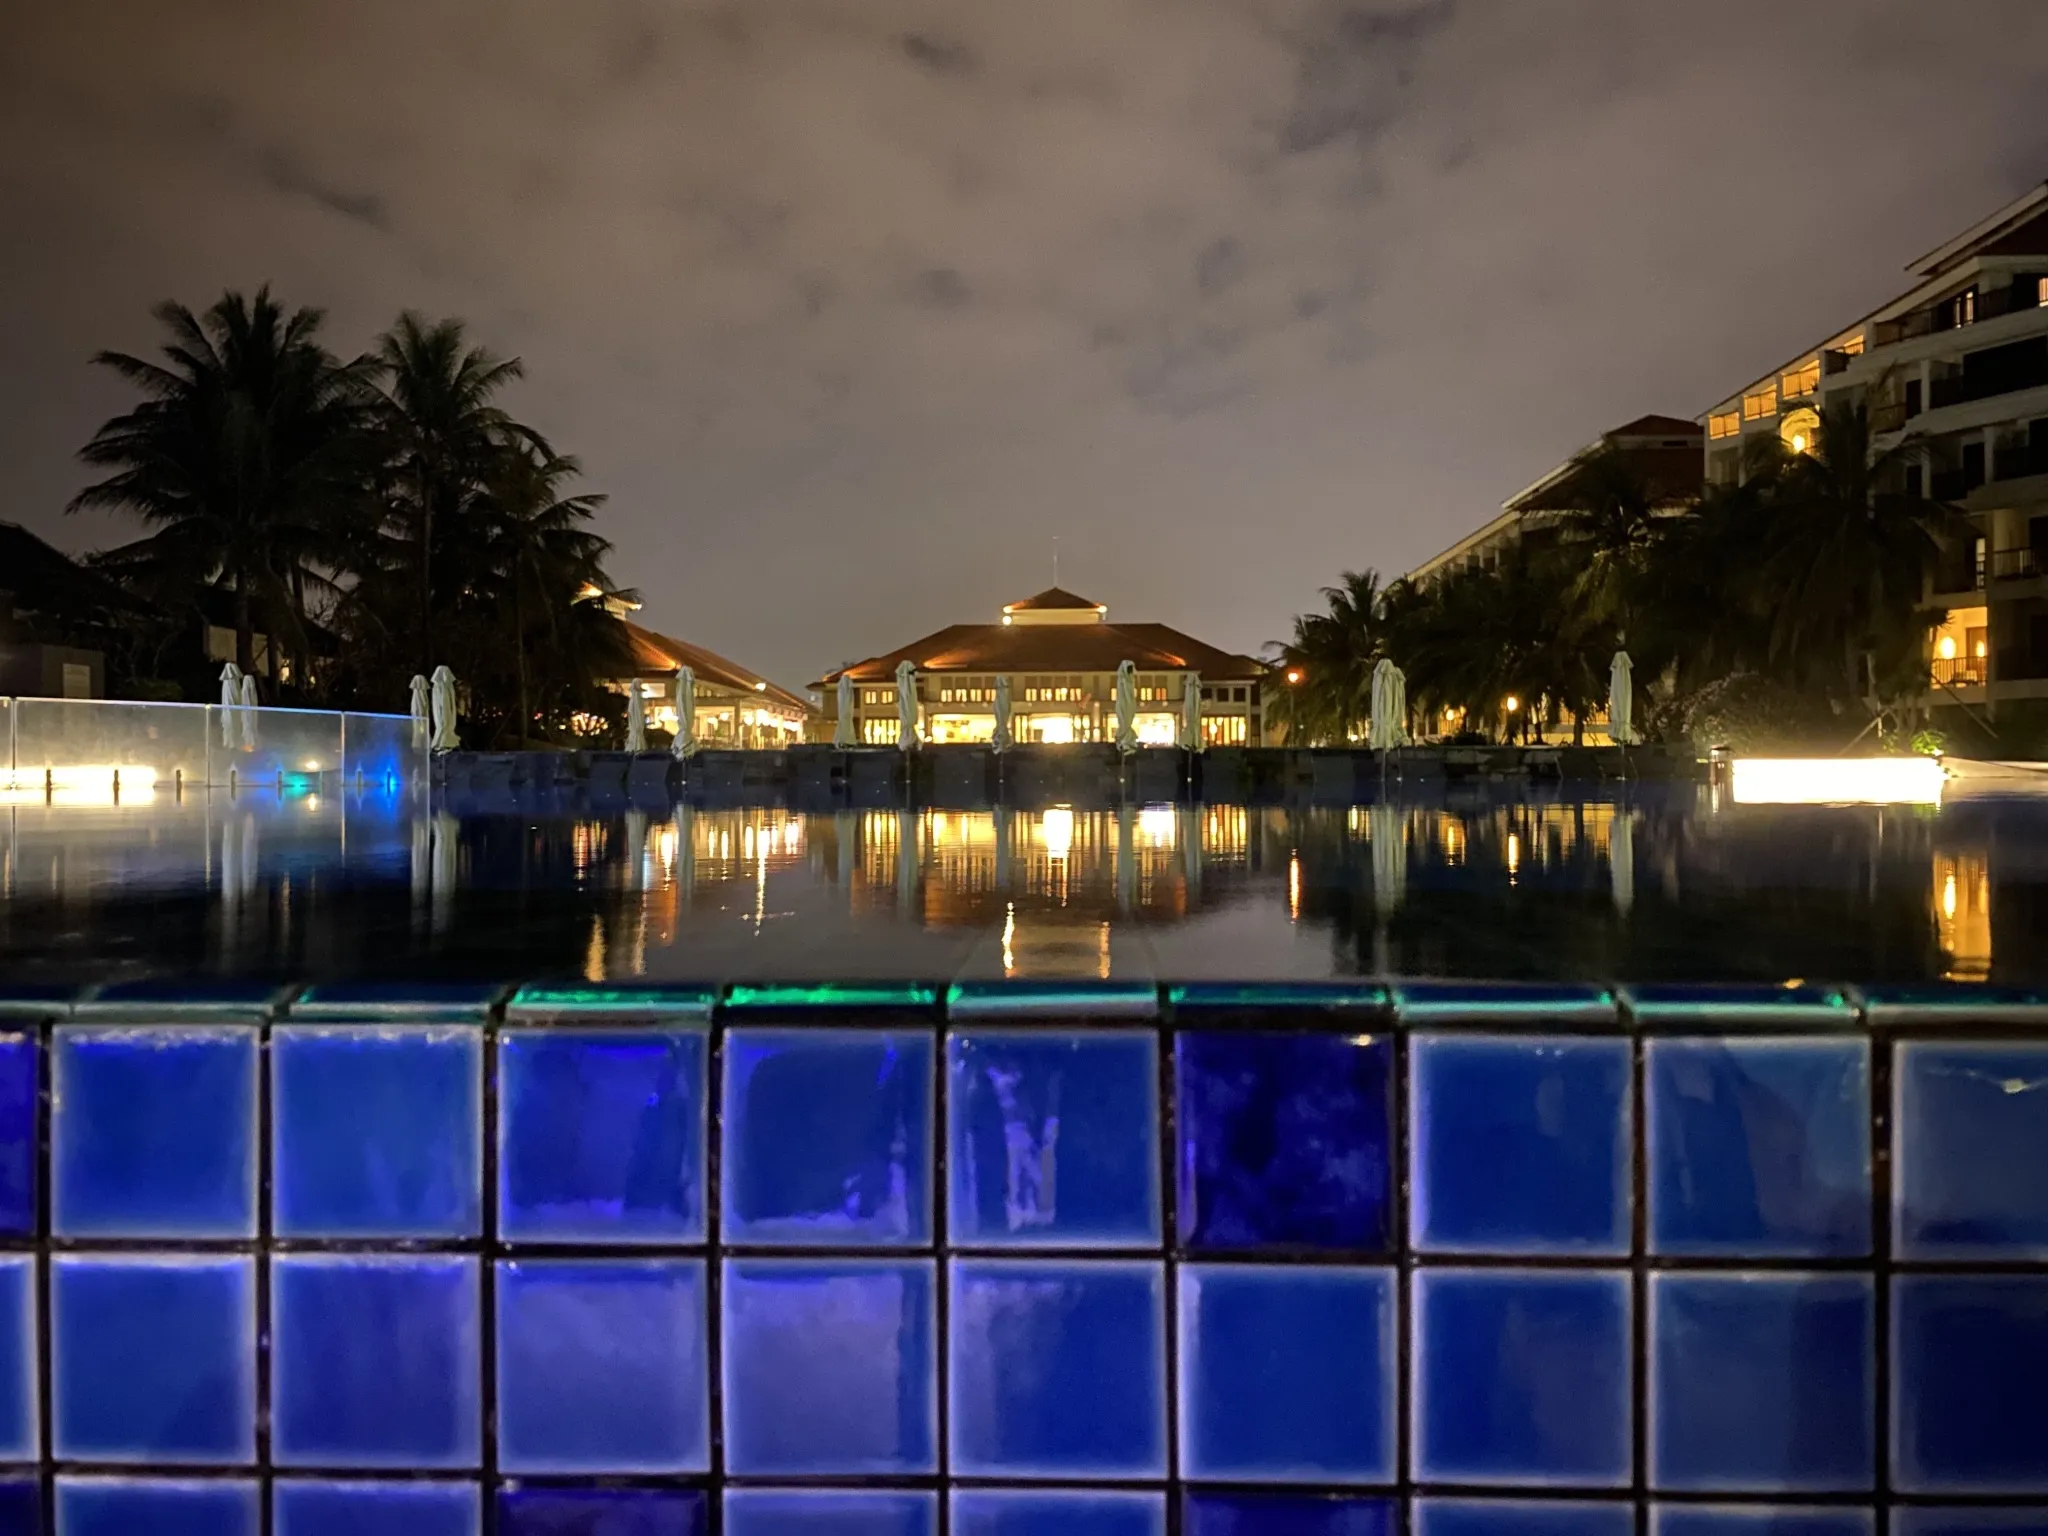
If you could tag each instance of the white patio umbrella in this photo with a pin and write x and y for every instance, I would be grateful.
(1003, 738)
(842, 728)
(1389, 726)
(636, 718)
(421, 721)
(1127, 706)
(441, 686)
(1621, 700)
(1398, 694)
(906, 705)
(249, 702)
(230, 701)
(1191, 712)
(686, 713)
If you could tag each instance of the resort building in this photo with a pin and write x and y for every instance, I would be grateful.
(1956, 366)
(1061, 654)
(1663, 451)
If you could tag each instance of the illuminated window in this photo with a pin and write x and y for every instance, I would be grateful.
(1759, 403)
(1800, 381)
(1724, 423)
(2041, 292)
(1853, 347)
(1224, 730)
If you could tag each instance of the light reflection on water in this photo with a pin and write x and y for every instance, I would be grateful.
(1661, 883)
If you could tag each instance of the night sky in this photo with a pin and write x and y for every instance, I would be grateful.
(854, 307)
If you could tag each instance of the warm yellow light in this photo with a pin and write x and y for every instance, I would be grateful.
(1006, 618)
(1514, 855)
(760, 687)
(1799, 442)
(1293, 675)
(1838, 781)
(1056, 831)
(1948, 898)
(1156, 826)
(1513, 703)
(1980, 650)
(1946, 648)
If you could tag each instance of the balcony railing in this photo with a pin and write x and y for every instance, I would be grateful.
(2020, 564)
(1995, 371)
(1956, 314)
(2017, 461)
(1959, 672)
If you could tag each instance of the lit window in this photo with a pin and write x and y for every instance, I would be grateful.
(2041, 292)
(1760, 403)
(1853, 347)
(1724, 423)
(1803, 380)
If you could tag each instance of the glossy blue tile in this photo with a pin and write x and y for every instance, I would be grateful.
(827, 1136)
(601, 1366)
(1967, 1520)
(829, 1366)
(375, 1509)
(375, 1361)
(1759, 1520)
(1054, 1138)
(1057, 1369)
(1285, 1514)
(153, 1359)
(18, 1058)
(1968, 1355)
(1524, 1517)
(1762, 1383)
(1520, 1144)
(154, 1132)
(119, 1506)
(1521, 1377)
(376, 1132)
(21, 1507)
(1759, 1147)
(1971, 1139)
(1286, 1373)
(1283, 1140)
(602, 1135)
(602, 1512)
(992, 1512)
(829, 1512)
(18, 1420)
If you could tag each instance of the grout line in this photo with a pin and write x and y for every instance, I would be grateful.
(1882, 1133)
(1639, 1370)
(1400, 1177)
(1166, 1126)
(487, 1274)
(711, 1194)
(266, 1173)
(43, 1040)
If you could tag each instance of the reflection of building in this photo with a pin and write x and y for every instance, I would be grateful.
(735, 707)
(1061, 655)
(1962, 913)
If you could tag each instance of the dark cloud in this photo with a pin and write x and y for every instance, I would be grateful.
(1219, 266)
(940, 55)
(940, 288)
(286, 174)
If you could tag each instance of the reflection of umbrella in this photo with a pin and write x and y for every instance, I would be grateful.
(686, 712)
(1621, 860)
(906, 705)
(230, 700)
(442, 688)
(1191, 712)
(1621, 700)
(248, 712)
(636, 718)
(1127, 706)
(1002, 738)
(1389, 728)
(421, 725)
(1389, 832)
(842, 728)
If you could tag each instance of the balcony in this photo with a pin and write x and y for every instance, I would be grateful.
(1992, 372)
(1966, 309)
(2022, 564)
(1959, 672)
(2019, 461)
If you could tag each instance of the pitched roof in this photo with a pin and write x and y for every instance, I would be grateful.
(1051, 597)
(655, 654)
(1051, 648)
(1658, 426)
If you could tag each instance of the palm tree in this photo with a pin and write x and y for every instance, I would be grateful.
(1610, 525)
(246, 443)
(1334, 653)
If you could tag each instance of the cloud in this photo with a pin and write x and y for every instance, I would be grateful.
(282, 170)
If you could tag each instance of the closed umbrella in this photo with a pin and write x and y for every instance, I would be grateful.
(906, 705)
(441, 687)
(1389, 726)
(230, 701)
(1621, 700)
(1397, 691)
(1191, 712)
(842, 728)
(249, 711)
(421, 723)
(636, 718)
(686, 713)
(1002, 738)
(1127, 706)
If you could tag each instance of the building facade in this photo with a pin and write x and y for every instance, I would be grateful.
(1061, 654)
(734, 707)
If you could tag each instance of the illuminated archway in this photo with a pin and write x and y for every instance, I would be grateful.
(1799, 429)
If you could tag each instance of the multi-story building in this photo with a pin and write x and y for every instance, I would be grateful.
(1061, 654)
(1957, 365)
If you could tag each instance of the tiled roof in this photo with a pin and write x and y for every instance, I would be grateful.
(656, 654)
(1026, 648)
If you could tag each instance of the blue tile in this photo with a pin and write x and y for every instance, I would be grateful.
(21, 1507)
(602, 1136)
(384, 1509)
(1285, 1514)
(377, 1132)
(1978, 1520)
(375, 1362)
(1520, 1144)
(153, 1359)
(602, 1512)
(1057, 1369)
(601, 1366)
(1762, 1383)
(1968, 1355)
(990, 1512)
(1759, 1147)
(1524, 1517)
(830, 1366)
(1521, 1377)
(827, 1136)
(1283, 1140)
(1054, 1137)
(1286, 1373)
(119, 1506)
(1759, 1520)
(18, 1058)
(154, 1132)
(1972, 1138)
(18, 1419)
(829, 1512)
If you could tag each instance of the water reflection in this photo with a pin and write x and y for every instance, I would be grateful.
(1654, 883)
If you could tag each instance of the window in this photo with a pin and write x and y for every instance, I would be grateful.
(2041, 292)
(1225, 731)
(1800, 381)
(1238, 695)
(879, 733)
(1724, 423)
(1760, 403)
(1853, 347)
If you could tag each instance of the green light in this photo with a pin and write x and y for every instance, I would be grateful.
(668, 1000)
(850, 995)
(1276, 995)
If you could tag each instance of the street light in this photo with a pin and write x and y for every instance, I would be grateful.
(1293, 674)
(1513, 703)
